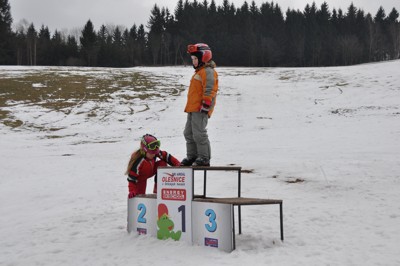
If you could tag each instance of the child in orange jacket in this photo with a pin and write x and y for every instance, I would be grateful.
(143, 164)
(200, 105)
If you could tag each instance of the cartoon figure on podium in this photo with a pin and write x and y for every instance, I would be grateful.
(166, 225)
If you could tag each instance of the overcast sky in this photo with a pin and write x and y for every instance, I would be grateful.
(73, 14)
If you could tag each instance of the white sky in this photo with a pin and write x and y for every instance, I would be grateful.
(70, 14)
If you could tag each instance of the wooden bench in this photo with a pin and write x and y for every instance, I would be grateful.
(239, 201)
(246, 201)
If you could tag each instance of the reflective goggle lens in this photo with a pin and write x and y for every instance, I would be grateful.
(153, 145)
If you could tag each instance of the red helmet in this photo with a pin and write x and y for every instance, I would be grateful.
(150, 144)
(201, 50)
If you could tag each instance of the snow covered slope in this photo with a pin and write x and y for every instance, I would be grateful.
(325, 140)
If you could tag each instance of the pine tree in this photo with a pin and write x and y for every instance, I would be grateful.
(311, 39)
(380, 52)
(142, 43)
(5, 18)
(243, 37)
(130, 38)
(104, 53)
(20, 46)
(72, 51)
(31, 42)
(212, 34)
(295, 33)
(393, 34)
(362, 35)
(58, 49)
(43, 47)
(89, 44)
(174, 27)
(324, 45)
(117, 51)
(156, 26)
(227, 42)
(6, 51)
(126, 45)
(349, 42)
(371, 37)
(247, 36)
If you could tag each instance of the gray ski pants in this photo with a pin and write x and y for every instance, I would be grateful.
(197, 143)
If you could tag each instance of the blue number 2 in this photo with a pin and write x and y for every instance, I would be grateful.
(211, 218)
(142, 208)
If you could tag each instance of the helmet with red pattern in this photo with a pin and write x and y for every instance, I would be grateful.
(150, 144)
(201, 50)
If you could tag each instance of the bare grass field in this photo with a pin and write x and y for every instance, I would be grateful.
(81, 91)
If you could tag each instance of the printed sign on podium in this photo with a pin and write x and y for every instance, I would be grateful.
(174, 203)
(212, 225)
(142, 215)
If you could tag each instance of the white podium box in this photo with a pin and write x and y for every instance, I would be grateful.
(175, 214)
(174, 203)
(213, 225)
(142, 215)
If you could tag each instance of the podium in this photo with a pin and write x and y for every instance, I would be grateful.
(176, 213)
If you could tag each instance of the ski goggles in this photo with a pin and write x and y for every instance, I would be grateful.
(152, 145)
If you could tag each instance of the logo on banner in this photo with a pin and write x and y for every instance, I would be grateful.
(142, 231)
(174, 203)
(173, 194)
(174, 179)
(211, 242)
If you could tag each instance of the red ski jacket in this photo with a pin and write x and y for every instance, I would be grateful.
(143, 168)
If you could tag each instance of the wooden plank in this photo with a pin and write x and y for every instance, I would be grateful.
(149, 196)
(240, 201)
(217, 168)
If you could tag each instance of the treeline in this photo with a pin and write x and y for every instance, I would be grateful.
(249, 35)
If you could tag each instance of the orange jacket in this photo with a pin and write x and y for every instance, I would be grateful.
(203, 86)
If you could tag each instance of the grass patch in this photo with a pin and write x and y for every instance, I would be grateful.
(57, 91)
(62, 90)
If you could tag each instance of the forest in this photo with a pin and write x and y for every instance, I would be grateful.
(249, 35)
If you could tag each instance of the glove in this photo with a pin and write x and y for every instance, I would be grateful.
(155, 188)
(132, 190)
(205, 107)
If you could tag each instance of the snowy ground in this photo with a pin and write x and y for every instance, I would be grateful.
(325, 140)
